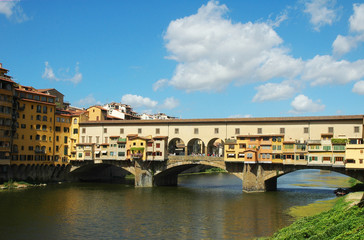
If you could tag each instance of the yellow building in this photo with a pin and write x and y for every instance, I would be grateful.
(7, 118)
(354, 156)
(136, 147)
(97, 113)
(76, 117)
(34, 142)
(62, 141)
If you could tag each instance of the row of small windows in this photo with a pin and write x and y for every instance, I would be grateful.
(216, 130)
(36, 158)
(6, 98)
(35, 97)
(5, 85)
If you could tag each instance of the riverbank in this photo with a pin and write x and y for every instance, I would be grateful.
(344, 221)
(18, 185)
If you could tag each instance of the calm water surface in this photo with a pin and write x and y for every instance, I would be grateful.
(202, 207)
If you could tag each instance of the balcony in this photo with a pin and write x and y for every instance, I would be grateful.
(137, 155)
(318, 142)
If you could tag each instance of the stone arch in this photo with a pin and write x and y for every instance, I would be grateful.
(100, 172)
(176, 146)
(196, 147)
(169, 176)
(215, 147)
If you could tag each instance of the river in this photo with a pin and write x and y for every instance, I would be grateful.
(206, 206)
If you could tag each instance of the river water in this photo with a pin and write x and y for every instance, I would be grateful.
(206, 206)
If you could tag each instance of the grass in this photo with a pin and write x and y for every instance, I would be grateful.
(340, 222)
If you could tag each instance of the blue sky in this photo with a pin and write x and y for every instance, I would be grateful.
(191, 59)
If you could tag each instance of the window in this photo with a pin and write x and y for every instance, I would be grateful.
(195, 130)
(38, 117)
(57, 138)
(83, 139)
(327, 148)
(44, 109)
(75, 121)
(44, 138)
(105, 130)
(158, 145)
(50, 139)
(39, 108)
(97, 139)
(356, 129)
(30, 148)
(259, 131)
(157, 131)
(106, 138)
(216, 130)
(305, 130)
(58, 129)
(75, 131)
(45, 118)
(139, 130)
(37, 137)
(121, 130)
(44, 127)
(241, 146)
(237, 130)
(37, 126)
(23, 126)
(65, 139)
(330, 130)
(121, 154)
(66, 129)
(176, 131)
(231, 146)
(90, 139)
(57, 148)
(282, 130)
(80, 155)
(279, 147)
(83, 130)
(274, 147)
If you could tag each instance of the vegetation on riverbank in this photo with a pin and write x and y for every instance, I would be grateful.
(14, 185)
(343, 221)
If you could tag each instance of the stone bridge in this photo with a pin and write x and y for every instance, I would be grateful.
(258, 177)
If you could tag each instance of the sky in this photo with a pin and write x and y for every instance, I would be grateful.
(191, 58)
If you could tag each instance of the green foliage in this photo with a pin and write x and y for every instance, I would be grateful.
(340, 222)
(339, 140)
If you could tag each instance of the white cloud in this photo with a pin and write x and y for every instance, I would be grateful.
(302, 104)
(12, 11)
(357, 19)
(138, 101)
(50, 75)
(87, 101)
(322, 12)
(160, 84)
(170, 103)
(359, 88)
(325, 70)
(274, 91)
(344, 44)
(213, 52)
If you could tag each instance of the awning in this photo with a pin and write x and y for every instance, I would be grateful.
(103, 152)
(241, 154)
(97, 152)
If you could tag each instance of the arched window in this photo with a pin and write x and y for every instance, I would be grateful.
(39, 117)
(44, 138)
(45, 118)
(75, 121)
(37, 127)
(44, 128)
(37, 137)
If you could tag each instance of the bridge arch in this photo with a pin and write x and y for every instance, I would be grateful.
(215, 147)
(100, 172)
(196, 147)
(169, 176)
(176, 146)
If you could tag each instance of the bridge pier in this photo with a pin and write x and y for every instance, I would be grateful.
(254, 179)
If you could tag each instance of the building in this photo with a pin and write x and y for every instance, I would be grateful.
(7, 118)
(120, 111)
(35, 139)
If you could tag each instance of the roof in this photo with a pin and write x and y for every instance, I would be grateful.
(49, 89)
(32, 90)
(262, 135)
(229, 120)
(99, 107)
(160, 137)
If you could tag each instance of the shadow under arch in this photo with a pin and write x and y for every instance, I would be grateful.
(269, 178)
(176, 146)
(169, 176)
(196, 147)
(99, 173)
(215, 147)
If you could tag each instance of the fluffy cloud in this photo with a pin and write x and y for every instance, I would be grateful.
(322, 12)
(302, 104)
(326, 70)
(12, 11)
(357, 19)
(148, 105)
(241, 116)
(213, 52)
(344, 44)
(87, 101)
(138, 101)
(274, 91)
(359, 88)
(50, 75)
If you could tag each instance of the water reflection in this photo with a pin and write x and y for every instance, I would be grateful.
(201, 207)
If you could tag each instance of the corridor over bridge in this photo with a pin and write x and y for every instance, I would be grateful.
(257, 150)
